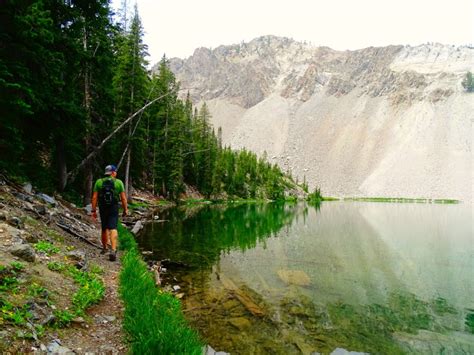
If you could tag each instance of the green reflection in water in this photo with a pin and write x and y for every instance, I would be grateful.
(198, 236)
(374, 285)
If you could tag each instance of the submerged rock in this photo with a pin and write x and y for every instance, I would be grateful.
(294, 277)
(240, 323)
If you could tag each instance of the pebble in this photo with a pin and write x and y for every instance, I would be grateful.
(176, 288)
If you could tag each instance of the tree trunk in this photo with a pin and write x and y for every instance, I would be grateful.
(72, 174)
(62, 167)
(87, 138)
(127, 174)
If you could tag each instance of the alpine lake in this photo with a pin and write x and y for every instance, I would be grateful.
(385, 278)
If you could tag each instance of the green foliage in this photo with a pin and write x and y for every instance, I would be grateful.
(36, 290)
(63, 317)
(8, 276)
(17, 266)
(46, 247)
(13, 314)
(56, 266)
(468, 82)
(470, 322)
(91, 289)
(315, 196)
(153, 319)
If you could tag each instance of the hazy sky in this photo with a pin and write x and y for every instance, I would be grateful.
(177, 27)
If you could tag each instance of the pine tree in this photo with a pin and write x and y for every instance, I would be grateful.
(131, 85)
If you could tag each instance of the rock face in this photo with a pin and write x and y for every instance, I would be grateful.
(391, 121)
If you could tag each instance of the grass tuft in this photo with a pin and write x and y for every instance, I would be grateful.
(153, 319)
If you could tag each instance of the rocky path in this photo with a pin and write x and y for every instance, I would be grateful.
(38, 234)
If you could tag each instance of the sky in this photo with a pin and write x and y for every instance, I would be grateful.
(177, 27)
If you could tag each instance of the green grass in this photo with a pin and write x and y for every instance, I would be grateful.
(153, 319)
(401, 200)
(330, 199)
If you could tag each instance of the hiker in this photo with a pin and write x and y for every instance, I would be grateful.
(107, 192)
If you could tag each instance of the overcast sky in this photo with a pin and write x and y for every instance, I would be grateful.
(178, 27)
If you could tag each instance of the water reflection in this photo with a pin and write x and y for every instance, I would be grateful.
(199, 237)
(380, 278)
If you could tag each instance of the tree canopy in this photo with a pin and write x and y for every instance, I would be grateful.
(70, 75)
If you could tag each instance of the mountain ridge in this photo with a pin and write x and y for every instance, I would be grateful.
(366, 107)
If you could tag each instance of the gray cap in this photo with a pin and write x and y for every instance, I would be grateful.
(109, 169)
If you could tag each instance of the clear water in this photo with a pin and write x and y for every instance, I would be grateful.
(368, 277)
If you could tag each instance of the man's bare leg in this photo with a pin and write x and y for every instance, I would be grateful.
(113, 239)
(105, 239)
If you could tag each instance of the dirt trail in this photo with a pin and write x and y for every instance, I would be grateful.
(34, 292)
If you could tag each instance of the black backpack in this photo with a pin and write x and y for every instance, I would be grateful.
(107, 194)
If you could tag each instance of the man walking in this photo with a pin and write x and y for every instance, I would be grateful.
(108, 191)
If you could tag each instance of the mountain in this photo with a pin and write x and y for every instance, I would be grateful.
(390, 121)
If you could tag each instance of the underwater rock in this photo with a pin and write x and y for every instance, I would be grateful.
(240, 323)
(294, 277)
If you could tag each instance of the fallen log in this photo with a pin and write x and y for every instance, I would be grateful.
(77, 235)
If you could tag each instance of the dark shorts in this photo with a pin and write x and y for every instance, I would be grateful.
(109, 217)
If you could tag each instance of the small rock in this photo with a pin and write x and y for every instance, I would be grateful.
(40, 209)
(3, 216)
(78, 320)
(27, 187)
(49, 319)
(16, 222)
(47, 199)
(3, 334)
(23, 251)
(176, 288)
(24, 197)
(43, 347)
(55, 348)
(109, 318)
(31, 238)
(156, 217)
(180, 295)
(88, 209)
(137, 227)
(76, 255)
(20, 334)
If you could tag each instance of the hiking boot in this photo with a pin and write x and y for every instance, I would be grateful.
(113, 255)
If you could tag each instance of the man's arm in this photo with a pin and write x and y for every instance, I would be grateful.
(95, 197)
(123, 198)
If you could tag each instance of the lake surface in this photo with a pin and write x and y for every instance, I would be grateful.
(279, 278)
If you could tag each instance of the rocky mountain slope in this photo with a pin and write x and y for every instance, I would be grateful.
(391, 121)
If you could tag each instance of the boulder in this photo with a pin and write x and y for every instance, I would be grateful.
(23, 251)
